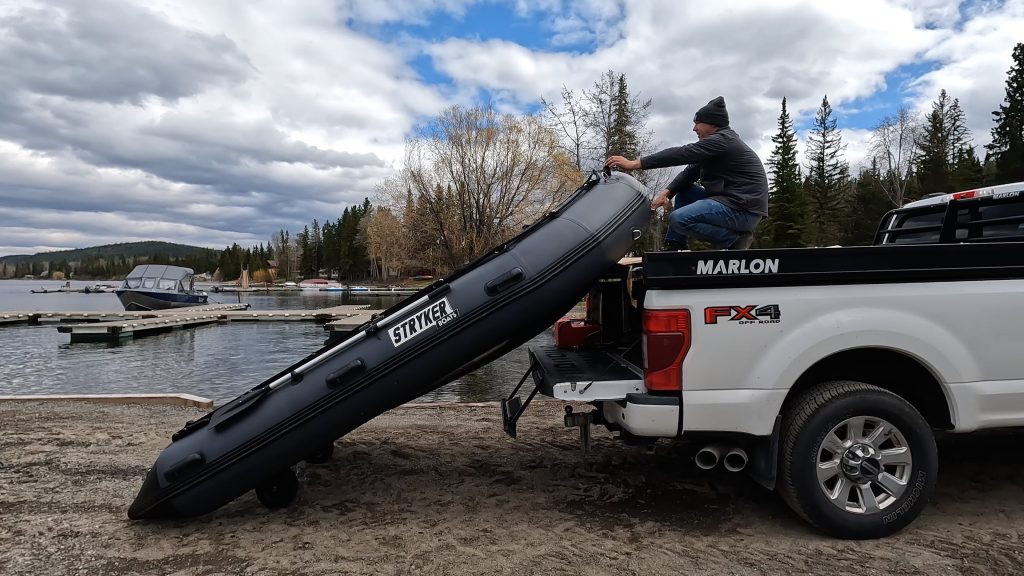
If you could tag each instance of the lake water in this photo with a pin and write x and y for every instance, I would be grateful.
(218, 361)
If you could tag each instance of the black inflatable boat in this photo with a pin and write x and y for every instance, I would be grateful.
(446, 330)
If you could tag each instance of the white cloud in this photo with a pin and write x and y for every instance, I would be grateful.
(283, 116)
(973, 65)
(943, 13)
(217, 122)
(682, 54)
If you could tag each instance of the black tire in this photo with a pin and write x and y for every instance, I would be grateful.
(323, 455)
(280, 491)
(813, 416)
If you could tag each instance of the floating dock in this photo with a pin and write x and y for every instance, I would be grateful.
(340, 328)
(116, 327)
(107, 315)
(127, 329)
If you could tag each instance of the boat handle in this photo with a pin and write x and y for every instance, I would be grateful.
(499, 284)
(334, 379)
(183, 466)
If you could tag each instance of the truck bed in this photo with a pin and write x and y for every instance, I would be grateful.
(846, 265)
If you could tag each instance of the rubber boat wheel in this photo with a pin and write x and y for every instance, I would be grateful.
(279, 491)
(323, 454)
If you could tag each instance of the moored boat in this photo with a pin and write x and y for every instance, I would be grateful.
(159, 287)
(317, 284)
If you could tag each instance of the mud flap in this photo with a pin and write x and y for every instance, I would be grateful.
(764, 457)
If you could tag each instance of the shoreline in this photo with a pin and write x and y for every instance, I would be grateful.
(440, 489)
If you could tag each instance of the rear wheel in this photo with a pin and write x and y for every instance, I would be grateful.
(279, 491)
(857, 461)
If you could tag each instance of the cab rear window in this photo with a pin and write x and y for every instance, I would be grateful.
(920, 228)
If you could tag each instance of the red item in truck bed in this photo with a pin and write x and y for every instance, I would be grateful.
(570, 333)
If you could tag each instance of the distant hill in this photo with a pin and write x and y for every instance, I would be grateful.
(127, 250)
(108, 261)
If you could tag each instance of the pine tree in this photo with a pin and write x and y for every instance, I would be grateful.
(613, 119)
(362, 255)
(316, 246)
(305, 254)
(967, 170)
(620, 119)
(330, 248)
(623, 139)
(599, 122)
(346, 236)
(870, 203)
(1007, 147)
(827, 183)
(787, 203)
(943, 140)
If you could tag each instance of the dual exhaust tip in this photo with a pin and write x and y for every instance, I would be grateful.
(733, 459)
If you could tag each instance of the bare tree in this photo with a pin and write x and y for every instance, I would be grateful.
(285, 253)
(570, 123)
(478, 177)
(594, 125)
(385, 242)
(893, 146)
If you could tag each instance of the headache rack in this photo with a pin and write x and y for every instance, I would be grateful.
(965, 218)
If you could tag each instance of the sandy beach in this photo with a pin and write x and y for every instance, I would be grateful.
(441, 490)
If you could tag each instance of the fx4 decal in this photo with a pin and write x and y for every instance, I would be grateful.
(753, 314)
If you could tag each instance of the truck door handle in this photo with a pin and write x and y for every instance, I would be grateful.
(503, 282)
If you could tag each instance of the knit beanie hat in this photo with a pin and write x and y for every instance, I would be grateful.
(714, 113)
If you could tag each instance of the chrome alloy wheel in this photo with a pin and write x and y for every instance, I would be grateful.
(864, 464)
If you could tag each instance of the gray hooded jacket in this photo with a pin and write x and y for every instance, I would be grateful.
(729, 170)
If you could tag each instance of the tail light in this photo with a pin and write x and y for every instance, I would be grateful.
(666, 342)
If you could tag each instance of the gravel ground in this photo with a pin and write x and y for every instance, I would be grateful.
(441, 490)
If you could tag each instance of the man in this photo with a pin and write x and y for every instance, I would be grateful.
(732, 175)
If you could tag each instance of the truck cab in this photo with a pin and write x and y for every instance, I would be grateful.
(820, 372)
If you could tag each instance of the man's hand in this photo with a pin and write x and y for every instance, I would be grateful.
(662, 200)
(622, 163)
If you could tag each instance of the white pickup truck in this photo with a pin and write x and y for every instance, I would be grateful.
(822, 372)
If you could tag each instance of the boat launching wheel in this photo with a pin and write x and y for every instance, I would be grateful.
(279, 491)
(322, 454)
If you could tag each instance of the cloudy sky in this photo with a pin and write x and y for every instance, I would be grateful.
(212, 122)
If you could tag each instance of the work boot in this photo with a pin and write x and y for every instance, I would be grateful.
(672, 246)
(743, 242)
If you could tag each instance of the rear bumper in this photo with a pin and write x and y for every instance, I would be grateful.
(602, 377)
(606, 378)
(646, 415)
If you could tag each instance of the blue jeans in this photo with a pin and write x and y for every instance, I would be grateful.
(701, 217)
(685, 198)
